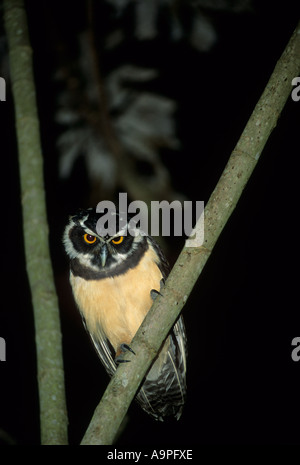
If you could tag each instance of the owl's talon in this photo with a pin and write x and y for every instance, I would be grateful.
(154, 293)
(125, 347)
(119, 360)
(122, 350)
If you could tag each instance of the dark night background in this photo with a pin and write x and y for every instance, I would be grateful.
(243, 386)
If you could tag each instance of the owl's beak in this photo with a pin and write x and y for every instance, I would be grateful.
(103, 255)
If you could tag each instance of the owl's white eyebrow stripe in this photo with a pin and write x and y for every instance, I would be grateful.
(89, 231)
(122, 232)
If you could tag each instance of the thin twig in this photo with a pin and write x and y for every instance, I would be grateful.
(165, 310)
(53, 416)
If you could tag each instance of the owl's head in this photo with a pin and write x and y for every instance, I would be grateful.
(93, 252)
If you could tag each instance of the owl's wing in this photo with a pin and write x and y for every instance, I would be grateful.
(163, 392)
(102, 347)
(163, 264)
(104, 350)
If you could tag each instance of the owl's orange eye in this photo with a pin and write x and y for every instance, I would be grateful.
(118, 240)
(89, 239)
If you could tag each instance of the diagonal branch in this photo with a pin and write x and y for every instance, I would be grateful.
(161, 317)
(53, 414)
